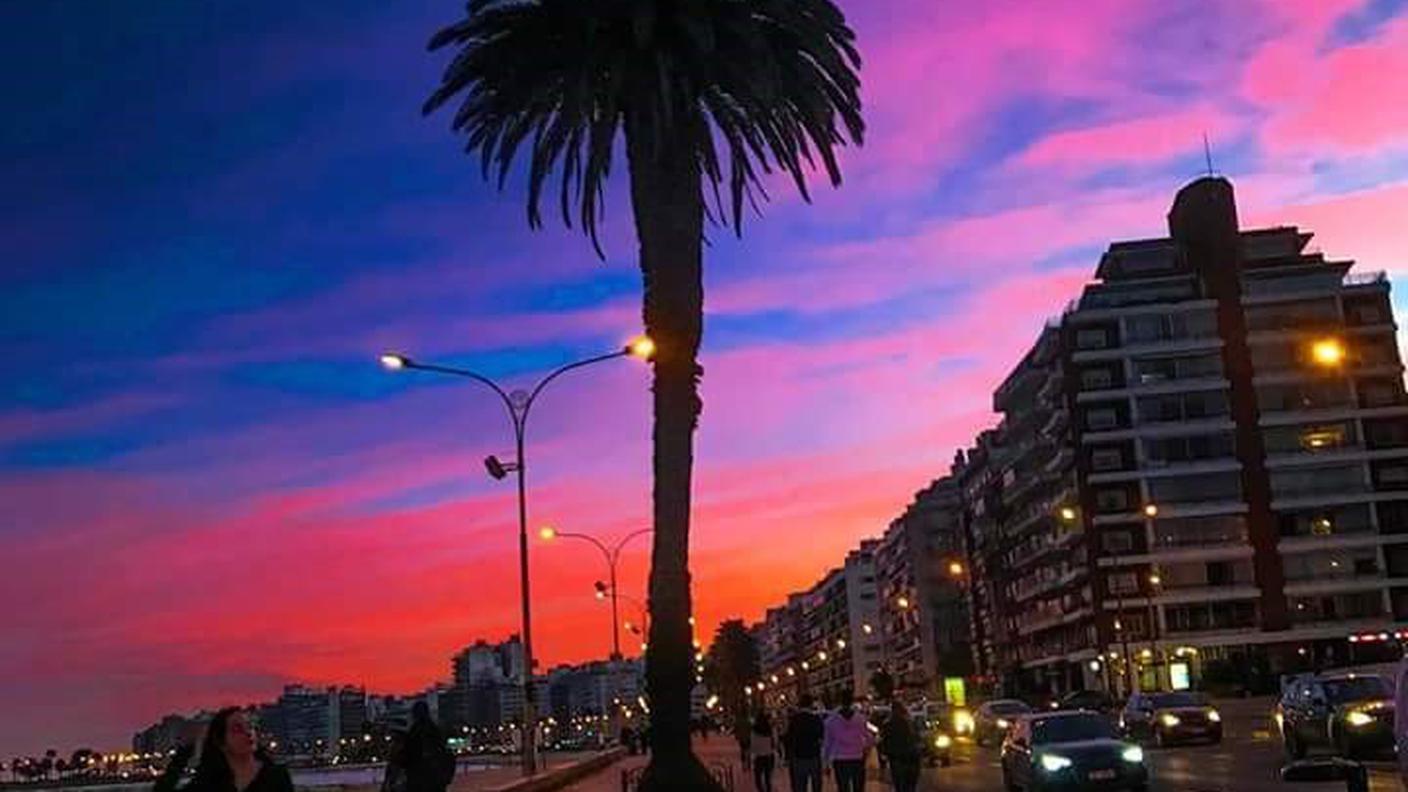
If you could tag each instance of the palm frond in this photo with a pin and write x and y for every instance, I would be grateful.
(772, 84)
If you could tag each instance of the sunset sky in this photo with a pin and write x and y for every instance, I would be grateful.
(215, 215)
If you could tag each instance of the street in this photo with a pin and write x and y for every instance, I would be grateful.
(1245, 761)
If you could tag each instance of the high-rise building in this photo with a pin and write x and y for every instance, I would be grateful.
(837, 652)
(1204, 460)
(921, 576)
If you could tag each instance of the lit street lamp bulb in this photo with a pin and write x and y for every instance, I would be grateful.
(1151, 510)
(1155, 579)
(903, 603)
(955, 568)
(1068, 513)
(393, 362)
(548, 533)
(642, 347)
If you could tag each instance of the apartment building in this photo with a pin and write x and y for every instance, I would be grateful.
(1205, 457)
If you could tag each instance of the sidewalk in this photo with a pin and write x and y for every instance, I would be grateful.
(718, 750)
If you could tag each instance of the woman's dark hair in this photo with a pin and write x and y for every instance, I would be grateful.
(213, 772)
(762, 724)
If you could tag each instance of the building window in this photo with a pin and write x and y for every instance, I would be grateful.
(1152, 328)
(1197, 488)
(1183, 407)
(1386, 433)
(1092, 338)
(1151, 370)
(1123, 583)
(1309, 438)
(1391, 475)
(1108, 458)
(1112, 499)
(1096, 379)
(1380, 393)
(1295, 482)
(1350, 519)
(1100, 419)
(1117, 542)
(1160, 451)
(1311, 395)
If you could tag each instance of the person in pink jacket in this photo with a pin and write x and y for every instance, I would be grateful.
(847, 738)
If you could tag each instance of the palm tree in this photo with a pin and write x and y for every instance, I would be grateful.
(707, 94)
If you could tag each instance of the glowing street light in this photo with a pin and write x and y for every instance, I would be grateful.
(1068, 513)
(642, 347)
(1327, 352)
(1151, 510)
(955, 568)
(902, 602)
(547, 533)
(519, 404)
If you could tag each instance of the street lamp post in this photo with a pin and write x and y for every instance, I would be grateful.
(612, 554)
(518, 404)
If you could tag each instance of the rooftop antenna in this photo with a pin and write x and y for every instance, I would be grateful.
(1207, 153)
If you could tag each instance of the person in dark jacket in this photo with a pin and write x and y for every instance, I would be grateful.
(899, 743)
(230, 760)
(801, 744)
(429, 763)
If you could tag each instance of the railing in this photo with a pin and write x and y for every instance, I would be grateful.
(1365, 278)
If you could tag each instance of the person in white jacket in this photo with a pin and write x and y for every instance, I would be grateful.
(846, 742)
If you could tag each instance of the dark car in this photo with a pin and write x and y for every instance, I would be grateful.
(937, 741)
(1351, 714)
(1168, 718)
(1070, 750)
(993, 718)
(1092, 700)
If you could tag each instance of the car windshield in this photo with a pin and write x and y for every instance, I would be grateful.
(1359, 688)
(1008, 708)
(1071, 728)
(1166, 700)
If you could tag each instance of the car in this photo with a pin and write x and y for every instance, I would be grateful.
(1351, 714)
(992, 719)
(1070, 750)
(1168, 718)
(937, 741)
(1092, 700)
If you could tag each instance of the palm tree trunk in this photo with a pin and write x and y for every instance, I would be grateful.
(669, 219)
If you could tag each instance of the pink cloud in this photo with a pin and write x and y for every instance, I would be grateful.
(1345, 101)
(1138, 141)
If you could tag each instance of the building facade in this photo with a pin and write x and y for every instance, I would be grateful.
(921, 579)
(1205, 459)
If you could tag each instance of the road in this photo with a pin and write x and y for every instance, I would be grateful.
(1247, 760)
(1242, 763)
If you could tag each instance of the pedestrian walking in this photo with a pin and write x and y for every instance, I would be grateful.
(1400, 718)
(763, 747)
(230, 760)
(394, 779)
(845, 742)
(430, 765)
(801, 744)
(899, 744)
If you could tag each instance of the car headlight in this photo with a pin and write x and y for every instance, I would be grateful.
(1358, 718)
(1214, 716)
(943, 741)
(963, 721)
(1002, 723)
(1053, 763)
(1169, 719)
(1133, 753)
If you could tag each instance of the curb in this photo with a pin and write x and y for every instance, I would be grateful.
(559, 777)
